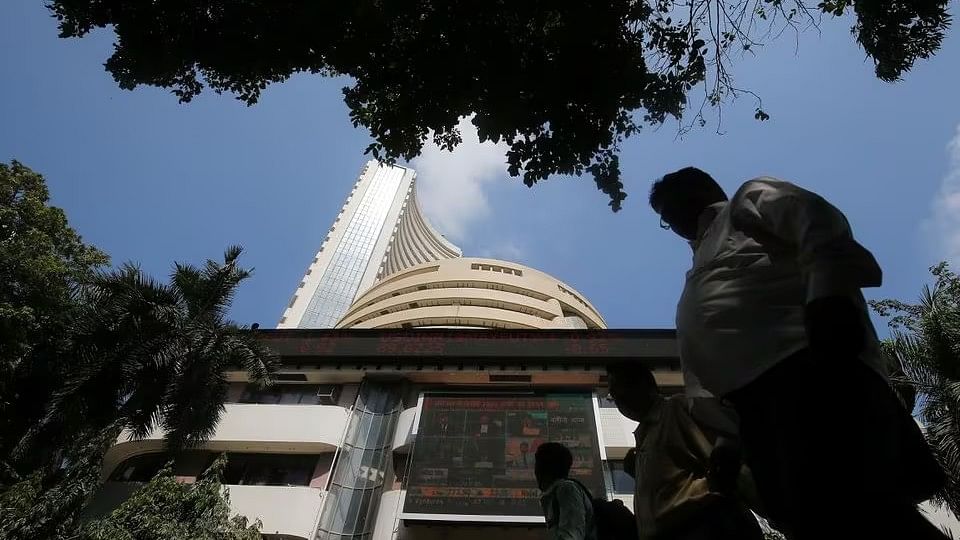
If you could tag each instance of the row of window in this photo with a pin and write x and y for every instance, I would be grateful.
(270, 469)
(292, 394)
(242, 469)
(495, 268)
(328, 394)
(245, 469)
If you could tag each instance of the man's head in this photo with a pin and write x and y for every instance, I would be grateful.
(551, 463)
(680, 197)
(633, 388)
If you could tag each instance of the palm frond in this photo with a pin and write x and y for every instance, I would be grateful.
(926, 341)
(147, 355)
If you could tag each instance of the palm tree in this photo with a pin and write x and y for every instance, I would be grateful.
(925, 346)
(150, 355)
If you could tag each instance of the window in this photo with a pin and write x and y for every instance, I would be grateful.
(270, 469)
(292, 394)
(139, 468)
(510, 378)
(291, 377)
(399, 469)
(623, 483)
(327, 394)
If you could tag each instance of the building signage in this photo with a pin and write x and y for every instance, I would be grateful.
(362, 345)
(474, 455)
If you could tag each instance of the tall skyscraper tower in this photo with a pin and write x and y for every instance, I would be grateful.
(379, 231)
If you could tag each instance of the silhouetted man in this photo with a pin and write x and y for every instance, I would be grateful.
(772, 319)
(566, 506)
(687, 462)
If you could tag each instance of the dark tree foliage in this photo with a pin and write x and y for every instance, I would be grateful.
(48, 505)
(150, 355)
(42, 260)
(563, 83)
(925, 352)
(87, 354)
(83, 348)
(166, 509)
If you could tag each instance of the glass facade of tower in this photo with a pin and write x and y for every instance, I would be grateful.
(350, 510)
(339, 284)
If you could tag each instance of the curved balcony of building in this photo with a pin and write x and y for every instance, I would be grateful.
(290, 511)
(285, 491)
(472, 292)
(254, 428)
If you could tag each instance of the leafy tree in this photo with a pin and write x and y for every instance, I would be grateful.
(149, 355)
(42, 260)
(926, 345)
(47, 505)
(86, 353)
(165, 509)
(83, 349)
(562, 83)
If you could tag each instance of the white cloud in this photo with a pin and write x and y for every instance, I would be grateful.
(946, 207)
(452, 186)
(507, 250)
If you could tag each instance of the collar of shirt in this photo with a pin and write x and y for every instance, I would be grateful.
(706, 219)
(708, 216)
(651, 419)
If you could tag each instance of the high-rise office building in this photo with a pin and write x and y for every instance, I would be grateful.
(379, 230)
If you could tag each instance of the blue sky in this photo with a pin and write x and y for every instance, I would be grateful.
(150, 180)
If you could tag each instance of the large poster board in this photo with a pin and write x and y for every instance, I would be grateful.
(474, 455)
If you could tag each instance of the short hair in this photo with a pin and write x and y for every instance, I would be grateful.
(554, 458)
(638, 374)
(687, 178)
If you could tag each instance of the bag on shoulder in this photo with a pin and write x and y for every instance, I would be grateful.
(614, 521)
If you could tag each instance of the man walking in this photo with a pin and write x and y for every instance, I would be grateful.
(772, 319)
(687, 462)
(566, 506)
